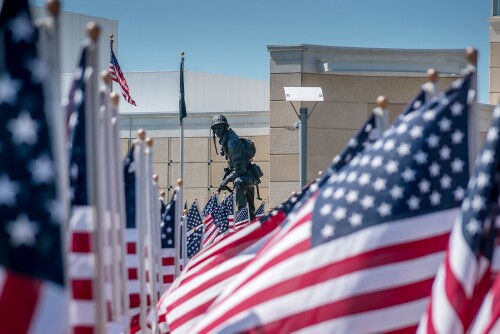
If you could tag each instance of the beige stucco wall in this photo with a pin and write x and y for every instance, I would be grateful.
(349, 99)
(494, 59)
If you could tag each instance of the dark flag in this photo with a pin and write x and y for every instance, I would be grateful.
(182, 102)
(32, 288)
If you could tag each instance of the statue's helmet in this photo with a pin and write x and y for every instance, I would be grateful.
(219, 119)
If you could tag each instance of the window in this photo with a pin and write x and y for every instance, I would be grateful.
(496, 7)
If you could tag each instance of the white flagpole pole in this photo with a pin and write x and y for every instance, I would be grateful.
(93, 177)
(140, 185)
(156, 235)
(184, 238)
(150, 243)
(177, 230)
(120, 207)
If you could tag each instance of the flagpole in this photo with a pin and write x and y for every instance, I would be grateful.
(111, 48)
(474, 142)
(180, 199)
(177, 229)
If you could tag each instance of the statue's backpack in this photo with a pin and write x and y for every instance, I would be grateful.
(249, 148)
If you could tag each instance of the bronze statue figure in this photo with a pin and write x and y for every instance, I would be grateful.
(240, 170)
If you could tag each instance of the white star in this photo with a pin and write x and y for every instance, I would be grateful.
(416, 104)
(327, 193)
(339, 193)
(367, 202)
(444, 101)
(444, 124)
(429, 115)
(352, 142)
(341, 176)
(364, 179)
(396, 192)
(169, 241)
(445, 153)
(336, 159)
(477, 203)
(416, 132)
(457, 136)
(424, 186)
(22, 231)
(473, 227)
(378, 144)
(325, 210)
(457, 166)
(466, 204)
(355, 161)
(327, 231)
(384, 209)
(433, 141)
(445, 182)
(365, 160)
(56, 211)
(482, 180)
(356, 219)
(389, 145)
(456, 109)
(39, 70)
(377, 161)
(391, 167)
(487, 157)
(459, 194)
(8, 191)
(402, 128)
(42, 170)
(24, 129)
(9, 89)
(420, 157)
(435, 198)
(352, 177)
(408, 175)
(434, 169)
(73, 171)
(413, 203)
(379, 184)
(340, 213)
(403, 149)
(21, 28)
(352, 196)
(492, 134)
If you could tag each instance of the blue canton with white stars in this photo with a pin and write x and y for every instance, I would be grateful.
(260, 209)
(242, 215)
(480, 207)
(195, 230)
(210, 206)
(30, 227)
(221, 219)
(419, 166)
(167, 224)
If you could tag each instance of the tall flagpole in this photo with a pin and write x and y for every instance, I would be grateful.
(182, 114)
(111, 48)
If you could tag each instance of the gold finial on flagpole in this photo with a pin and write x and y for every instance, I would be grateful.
(162, 193)
(106, 77)
(156, 178)
(93, 31)
(432, 75)
(320, 173)
(179, 182)
(182, 53)
(382, 102)
(141, 134)
(114, 98)
(53, 7)
(149, 141)
(471, 55)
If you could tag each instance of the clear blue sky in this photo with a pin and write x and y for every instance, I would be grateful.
(230, 36)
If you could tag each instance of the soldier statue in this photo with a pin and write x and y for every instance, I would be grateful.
(240, 170)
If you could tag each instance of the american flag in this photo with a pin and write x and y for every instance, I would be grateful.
(210, 229)
(81, 262)
(465, 276)
(488, 318)
(32, 288)
(213, 269)
(117, 75)
(194, 230)
(228, 202)
(168, 241)
(132, 241)
(260, 210)
(361, 255)
(242, 218)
